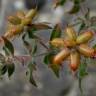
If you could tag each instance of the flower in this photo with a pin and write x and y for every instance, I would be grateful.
(73, 47)
(17, 23)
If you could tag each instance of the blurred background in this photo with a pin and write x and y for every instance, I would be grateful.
(48, 84)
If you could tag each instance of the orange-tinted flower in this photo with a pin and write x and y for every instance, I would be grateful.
(76, 43)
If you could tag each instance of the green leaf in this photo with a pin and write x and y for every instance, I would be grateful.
(82, 70)
(11, 69)
(56, 32)
(59, 2)
(2, 58)
(3, 69)
(82, 26)
(56, 69)
(82, 0)
(78, 1)
(34, 47)
(26, 44)
(75, 9)
(87, 15)
(62, 2)
(81, 74)
(48, 61)
(32, 67)
(8, 47)
(48, 58)
(93, 21)
(94, 46)
(31, 32)
(6, 51)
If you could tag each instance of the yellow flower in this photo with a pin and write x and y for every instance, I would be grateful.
(74, 46)
(18, 22)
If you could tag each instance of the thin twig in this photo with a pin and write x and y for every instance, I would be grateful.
(25, 58)
(75, 24)
(41, 42)
(41, 54)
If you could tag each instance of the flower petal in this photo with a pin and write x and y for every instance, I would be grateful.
(71, 33)
(61, 56)
(84, 37)
(75, 61)
(85, 50)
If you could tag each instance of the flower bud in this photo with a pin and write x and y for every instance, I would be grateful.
(31, 14)
(61, 56)
(14, 20)
(71, 33)
(57, 42)
(75, 61)
(84, 37)
(85, 50)
(16, 30)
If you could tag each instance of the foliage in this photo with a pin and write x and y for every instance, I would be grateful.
(59, 47)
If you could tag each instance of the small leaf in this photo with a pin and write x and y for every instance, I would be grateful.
(48, 58)
(6, 51)
(59, 2)
(2, 58)
(26, 44)
(94, 46)
(82, 26)
(31, 32)
(3, 69)
(81, 74)
(31, 67)
(32, 81)
(75, 9)
(11, 69)
(93, 21)
(62, 2)
(78, 1)
(87, 15)
(55, 68)
(82, 70)
(56, 32)
(34, 48)
(8, 46)
(82, 0)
